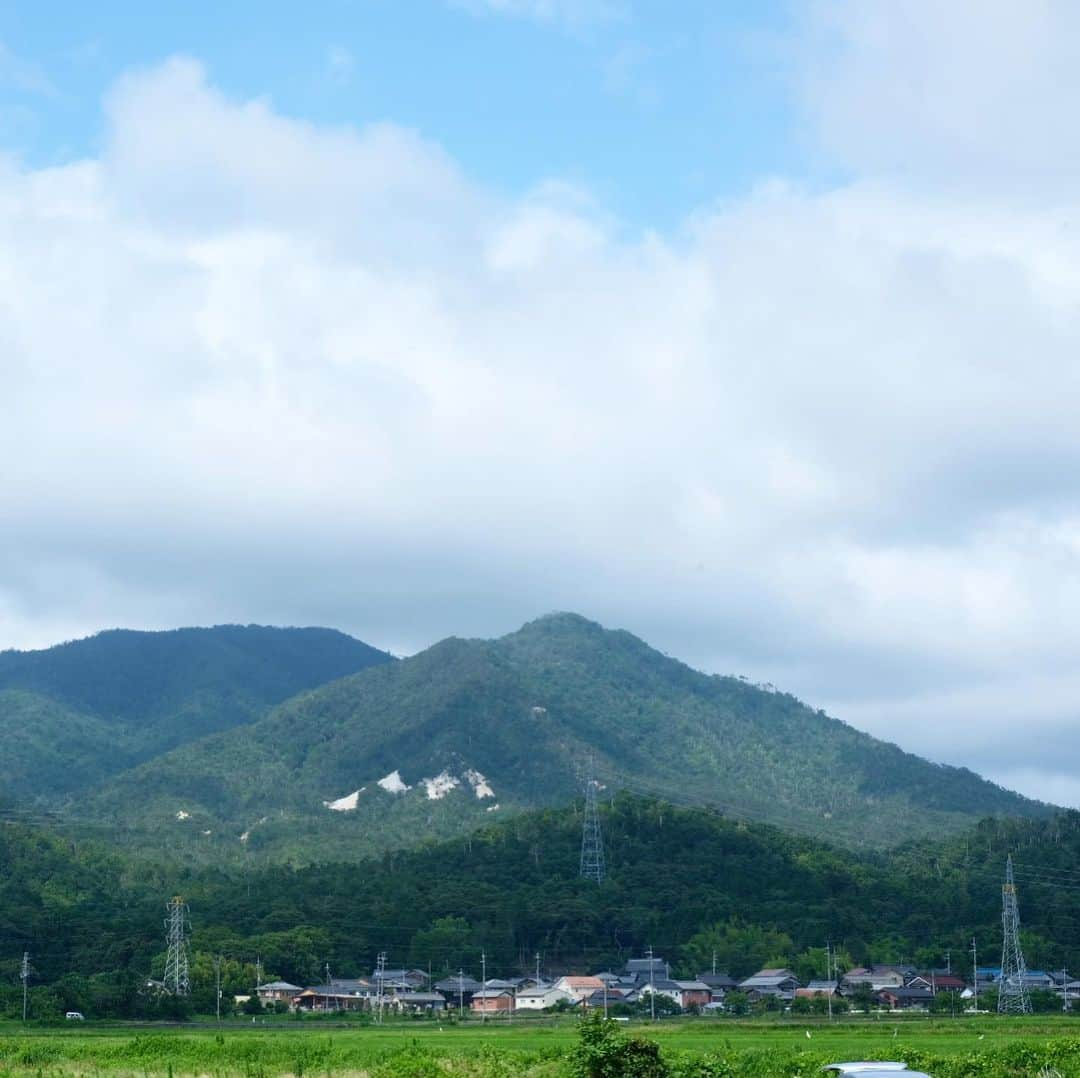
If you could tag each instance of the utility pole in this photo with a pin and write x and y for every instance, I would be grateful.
(605, 999)
(1013, 995)
(974, 977)
(537, 967)
(258, 971)
(948, 962)
(652, 994)
(1064, 990)
(217, 984)
(461, 993)
(24, 973)
(592, 843)
(828, 973)
(483, 981)
(177, 969)
(714, 963)
(380, 974)
(329, 990)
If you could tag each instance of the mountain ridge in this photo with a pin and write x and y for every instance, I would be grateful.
(522, 712)
(128, 695)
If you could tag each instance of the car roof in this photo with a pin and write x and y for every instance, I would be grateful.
(868, 1067)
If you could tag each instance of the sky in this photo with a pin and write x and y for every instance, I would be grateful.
(752, 328)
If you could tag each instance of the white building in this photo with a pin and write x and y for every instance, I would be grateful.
(540, 998)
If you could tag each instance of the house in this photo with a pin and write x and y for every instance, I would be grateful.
(640, 968)
(938, 981)
(540, 998)
(327, 998)
(877, 977)
(685, 993)
(817, 988)
(419, 1001)
(277, 992)
(604, 997)
(719, 984)
(414, 978)
(458, 990)
(693, 994)
(579, 987)
(770, 982)
(902, 999)
(495, 982)
(492, 1001)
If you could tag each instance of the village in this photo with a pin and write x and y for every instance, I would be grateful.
(646, 986)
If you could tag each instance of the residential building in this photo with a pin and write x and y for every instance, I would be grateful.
(277, 992)
(579, 987)
(540, 998)
(457, 990)
(492, 1001)
(770, 982)
(419, 1001)
(902, 999)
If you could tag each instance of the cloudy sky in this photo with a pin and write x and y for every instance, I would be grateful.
(755, 332)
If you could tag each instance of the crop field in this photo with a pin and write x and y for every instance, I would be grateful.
(706, 1048)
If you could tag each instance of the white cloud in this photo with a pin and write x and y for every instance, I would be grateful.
(257, 369)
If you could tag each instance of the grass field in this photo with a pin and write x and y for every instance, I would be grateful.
(949, 1048)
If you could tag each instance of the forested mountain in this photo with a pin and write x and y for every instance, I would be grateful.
(438, 743)
(74, 714)
(687, 882)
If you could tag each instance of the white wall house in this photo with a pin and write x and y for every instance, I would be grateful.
(539, 999)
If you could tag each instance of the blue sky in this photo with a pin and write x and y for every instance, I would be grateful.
(751, 328)
(654, 108)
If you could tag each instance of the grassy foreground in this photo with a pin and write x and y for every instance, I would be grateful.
(707, 1048)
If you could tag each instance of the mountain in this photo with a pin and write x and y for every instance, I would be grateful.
(72, 715)
(436, 744)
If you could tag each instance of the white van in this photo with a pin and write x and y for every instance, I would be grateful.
(75, 1016)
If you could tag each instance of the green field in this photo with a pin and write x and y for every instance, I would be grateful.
(705, 1048)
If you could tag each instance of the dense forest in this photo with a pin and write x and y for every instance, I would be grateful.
(524, 711)
(687, 882)
(75, 714)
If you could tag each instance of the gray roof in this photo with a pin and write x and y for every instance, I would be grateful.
(459, 984)
(492, 993)
(421, 997)
(774, 981)
(693, 986)
(278, 986)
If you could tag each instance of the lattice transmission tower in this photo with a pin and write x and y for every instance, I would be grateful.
(177, 969)
(1013, 995)
(592, 842)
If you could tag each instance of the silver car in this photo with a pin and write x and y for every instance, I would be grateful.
(869, 1068)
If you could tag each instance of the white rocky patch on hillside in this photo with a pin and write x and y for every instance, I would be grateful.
(479, 784)
(438, 787)
(183, 814)
(394, 783)
(346, 803)
(492, 808)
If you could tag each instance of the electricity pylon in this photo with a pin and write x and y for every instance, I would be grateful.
(592, 843)
(177, 970)
(1013, 995)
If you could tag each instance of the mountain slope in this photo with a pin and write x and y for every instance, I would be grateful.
(434, 744)
(74, 714)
